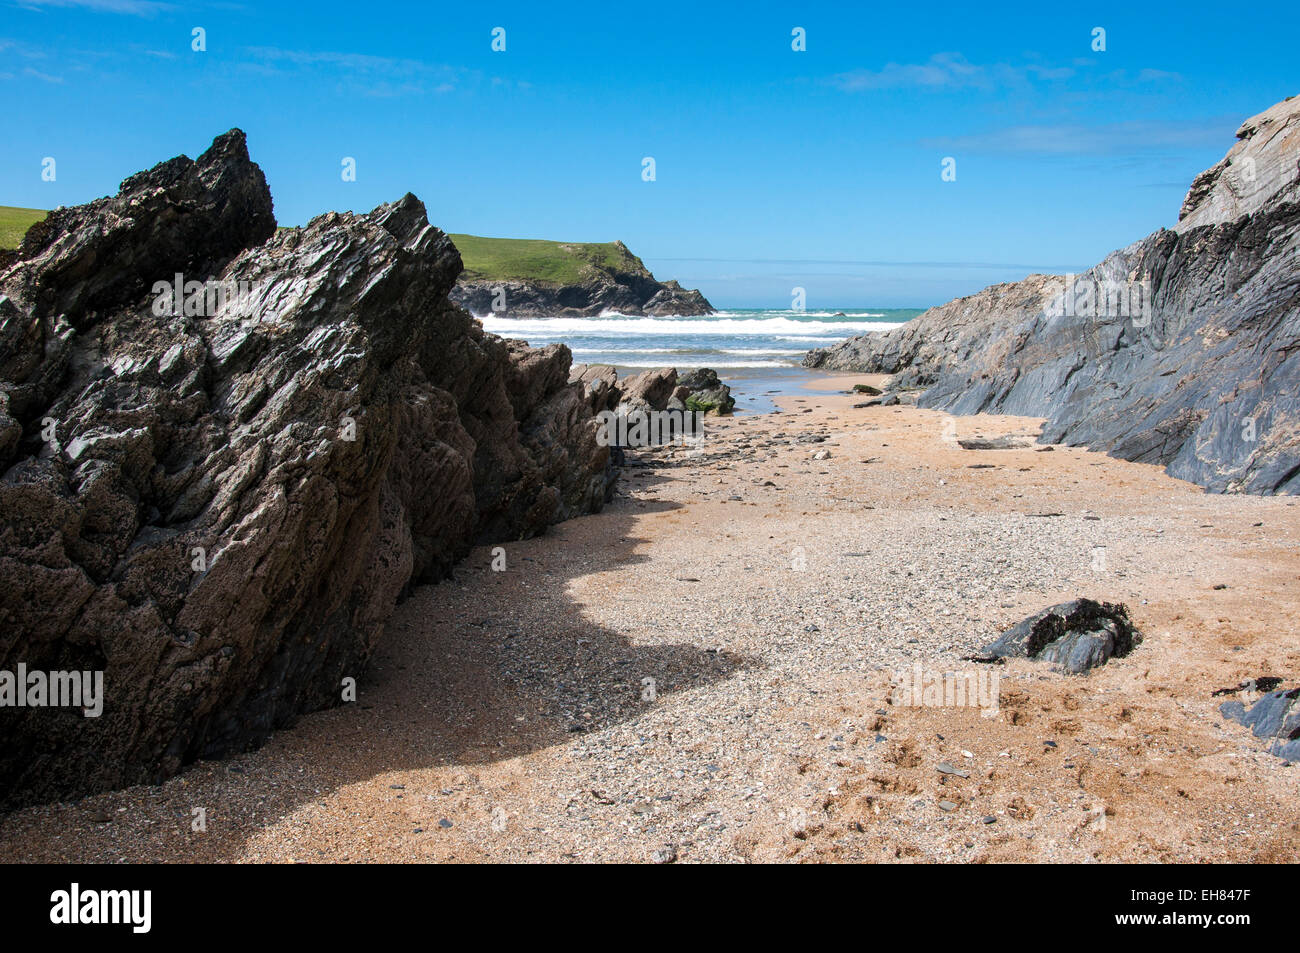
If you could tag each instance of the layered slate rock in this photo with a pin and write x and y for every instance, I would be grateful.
(1203, 378)
(648, 390)
(1076, 636)
(219, 510)
(599, 382)
(1273, 717)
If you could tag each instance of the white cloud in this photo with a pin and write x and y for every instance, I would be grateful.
(44, 77)
(136, 8)
(1096, 139)
(942, 71)
(949, 71)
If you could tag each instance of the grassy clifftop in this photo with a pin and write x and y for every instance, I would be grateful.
(14, 223)
(543, 262)
(486, 259)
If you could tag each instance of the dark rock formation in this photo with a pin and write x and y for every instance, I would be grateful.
(660, 388)
(627, 289)
(678, 406)
(672, 298)
(648, 390)
(1274, 717)
(1077, 636)
(219, 508)
(700, 390)
(599, 382)
(1181, 350)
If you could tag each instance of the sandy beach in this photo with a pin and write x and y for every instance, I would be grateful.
(703, 672)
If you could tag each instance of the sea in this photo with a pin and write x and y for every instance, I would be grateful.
(755, 352)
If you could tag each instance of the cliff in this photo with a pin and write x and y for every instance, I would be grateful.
(1181, 350)
(214, 490)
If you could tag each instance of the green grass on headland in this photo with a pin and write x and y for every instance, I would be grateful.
(488, 259)
(14, 223)
(545, 262)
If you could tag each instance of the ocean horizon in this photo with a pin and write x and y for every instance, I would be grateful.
(755, 351)
(732, 340)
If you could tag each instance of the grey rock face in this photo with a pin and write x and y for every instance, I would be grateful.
(1259, 172)
(599, 382)
(1274, 717)
(648, 390)
(1076, 636)
(1181, 350)
(220, 509)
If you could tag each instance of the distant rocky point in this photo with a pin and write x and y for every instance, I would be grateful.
(528, 278)
(1181, 350)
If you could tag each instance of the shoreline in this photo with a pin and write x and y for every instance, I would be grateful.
(506, 715)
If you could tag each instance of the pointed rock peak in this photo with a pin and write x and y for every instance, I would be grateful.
(404, 219)
(1261, 171)
(406, 213)
(228, 145)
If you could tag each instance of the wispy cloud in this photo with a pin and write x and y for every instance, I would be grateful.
(360, 62)
(135, 8)
(942, 71)
(953, 71)
(21, 49)
(1099, 139)
(1158, 76)
(949, 71)
(379, 76)
(44, 77)
(11, 49)
(367, 75)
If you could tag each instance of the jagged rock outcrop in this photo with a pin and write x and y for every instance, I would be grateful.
(1076, 636)
(1259, 172)
(219, 508)
(648, 390)
(660, 388)
(701, 390)
(672, 298)
(623, 285)
(599, 382)
(1181, 350)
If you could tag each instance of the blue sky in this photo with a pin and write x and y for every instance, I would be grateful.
(774, 168)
